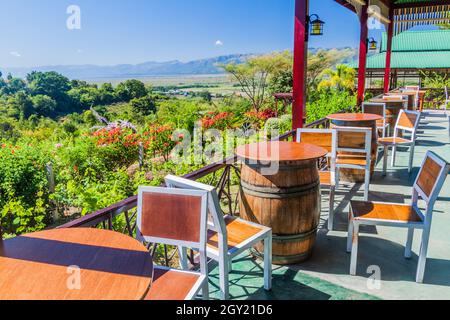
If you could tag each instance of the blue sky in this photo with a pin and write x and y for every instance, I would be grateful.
(34, 32)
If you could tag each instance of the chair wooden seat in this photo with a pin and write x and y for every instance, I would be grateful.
(363, 210)
(325, 178)
(238, 231)
(428, 185)
(351, 160)
(170, 284)
(390, 141)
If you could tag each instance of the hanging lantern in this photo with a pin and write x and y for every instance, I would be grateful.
(373, 45)
(316, 25)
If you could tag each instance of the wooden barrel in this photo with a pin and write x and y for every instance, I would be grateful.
(288, 202)
(355, 175)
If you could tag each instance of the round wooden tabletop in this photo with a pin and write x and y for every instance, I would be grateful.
(280, 151)
(74, 264)
(355, 117)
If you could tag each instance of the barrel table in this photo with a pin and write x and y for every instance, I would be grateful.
(364, 120)
(280, 188)
(393, 107)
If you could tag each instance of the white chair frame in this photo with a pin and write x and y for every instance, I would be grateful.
(424, 225)
(386, 125)
(367, 150)
(332, 158)
(202, 283)
(224, 255)
(411, 144)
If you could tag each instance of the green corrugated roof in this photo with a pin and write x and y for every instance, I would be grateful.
(414, 50)
(429, 40)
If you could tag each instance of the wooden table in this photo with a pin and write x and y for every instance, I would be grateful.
(365, 120)
(287, 198)
(41, 266)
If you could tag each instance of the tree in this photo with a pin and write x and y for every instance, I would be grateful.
(44, 105)
(50, 84)
(145, 105)
(343, 78)
(21, 104)
(131, 89)
(253, 75)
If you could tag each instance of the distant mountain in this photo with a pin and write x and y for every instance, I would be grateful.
(156, 69)
(147, 69)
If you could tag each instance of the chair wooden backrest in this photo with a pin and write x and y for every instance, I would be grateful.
(354, 140)
(375, 108)
(325, 138)
(174, 217)
(429, 183)
(407, 121)
(217, 222)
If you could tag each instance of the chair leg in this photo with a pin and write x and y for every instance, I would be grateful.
(385, 160)
(409, 243)
(224, 277)
(268, 263)
(367, 185)
(183, 253)
(337, 178)
(331, 215)
(205, 290)
(350, 232)
(411, 158)
(354, 257)
(423, 256)
(394, 154)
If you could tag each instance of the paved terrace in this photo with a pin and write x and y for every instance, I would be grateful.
(326, 275)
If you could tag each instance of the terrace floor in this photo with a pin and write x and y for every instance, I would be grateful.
(326, 275)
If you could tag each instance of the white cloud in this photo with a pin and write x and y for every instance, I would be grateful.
(219, 43)
(15, 54)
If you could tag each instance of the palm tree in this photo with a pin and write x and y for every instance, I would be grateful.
(343, 78)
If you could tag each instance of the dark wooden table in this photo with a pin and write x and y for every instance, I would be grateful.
(280, 188)
(365, 120)
(74, 264)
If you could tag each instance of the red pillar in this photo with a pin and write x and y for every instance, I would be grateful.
(390, 35)
(362, 55)
(300, 63)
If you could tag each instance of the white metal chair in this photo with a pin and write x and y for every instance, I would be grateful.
(325, 138)
(178, 218)
(407, 121)
(378, 109)
(427, 186)
(358, 142)
(228, 236)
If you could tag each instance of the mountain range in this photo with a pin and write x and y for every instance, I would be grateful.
(146, 69)
(209, 66)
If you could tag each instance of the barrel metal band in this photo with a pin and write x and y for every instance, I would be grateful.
(278, 193)
(279, 166)
(295, 237)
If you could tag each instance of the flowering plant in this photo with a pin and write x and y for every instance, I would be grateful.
(217, 120)
(258, 118)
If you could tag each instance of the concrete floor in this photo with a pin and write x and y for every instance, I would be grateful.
(326, 275)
